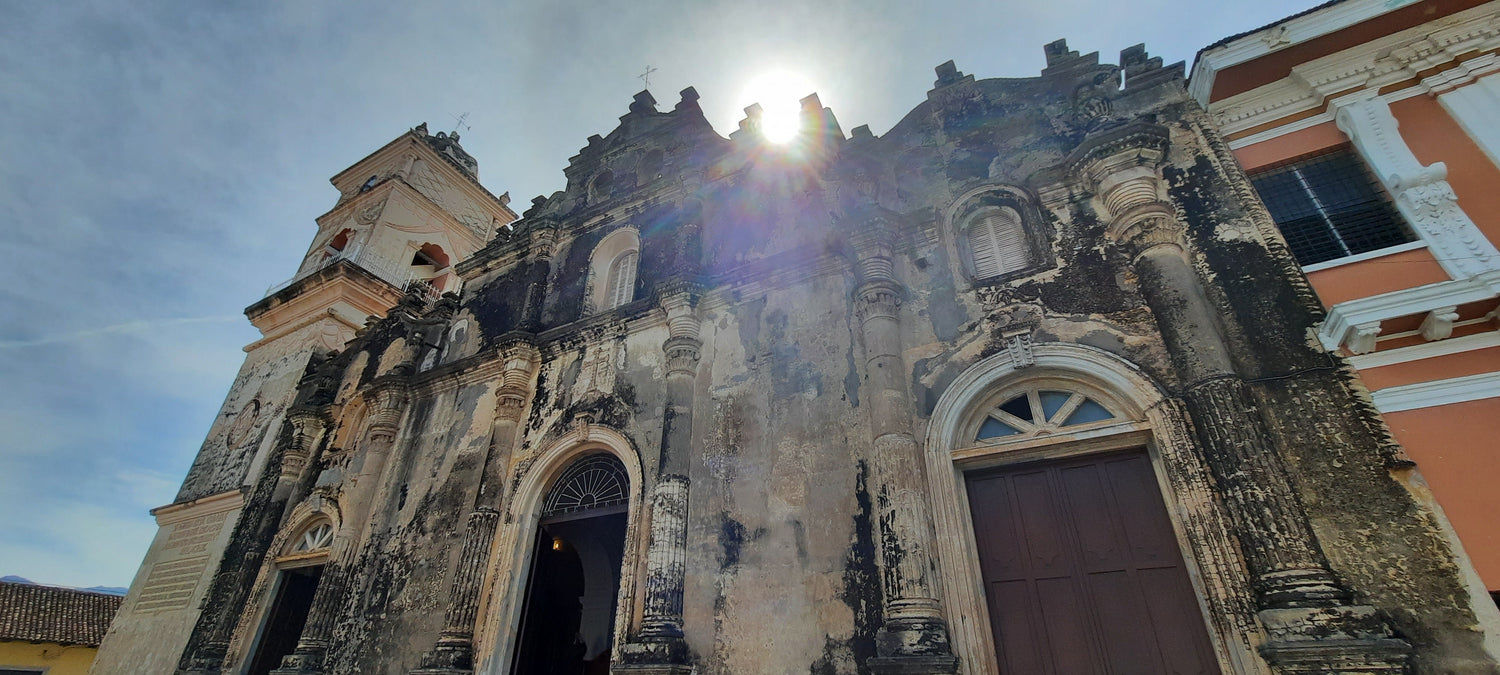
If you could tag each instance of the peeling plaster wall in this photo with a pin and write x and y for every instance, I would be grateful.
(784, 556)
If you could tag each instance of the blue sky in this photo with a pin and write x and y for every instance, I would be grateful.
(161, 165)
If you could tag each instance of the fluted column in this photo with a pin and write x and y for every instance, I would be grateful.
(387, 403)
(913, 637)
(659, 646)
(454, 649)
(1307, 613)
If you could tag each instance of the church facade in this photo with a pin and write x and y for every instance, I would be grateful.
(1028, 384)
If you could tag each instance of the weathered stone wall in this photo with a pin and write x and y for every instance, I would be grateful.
(800, 313)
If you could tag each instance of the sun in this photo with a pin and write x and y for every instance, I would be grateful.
(777, 92)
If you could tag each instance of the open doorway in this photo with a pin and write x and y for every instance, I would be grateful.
(278, 638)
(567, 623)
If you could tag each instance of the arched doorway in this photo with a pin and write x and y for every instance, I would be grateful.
(1081, 567)
(1075, 518)
(567, 621)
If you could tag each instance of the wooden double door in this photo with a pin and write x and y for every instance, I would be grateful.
(1082, 570)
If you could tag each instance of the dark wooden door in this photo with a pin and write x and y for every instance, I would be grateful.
(1082, 570)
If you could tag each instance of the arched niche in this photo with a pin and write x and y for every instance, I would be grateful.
(509, 567)
(1143, 416)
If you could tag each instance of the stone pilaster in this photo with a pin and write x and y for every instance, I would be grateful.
(454, 650)
(543, 243)
(659, 645)
(914, 635)
(387, 403)
(1307, 613)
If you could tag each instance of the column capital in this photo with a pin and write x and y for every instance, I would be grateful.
(878, 299)
(1148, 226)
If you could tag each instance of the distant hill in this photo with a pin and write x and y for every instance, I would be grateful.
(107, 590)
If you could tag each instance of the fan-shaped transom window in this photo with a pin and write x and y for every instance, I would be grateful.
(997, 242)
(317, 537)
(1040, 411)
(594, 482)
(620, 288)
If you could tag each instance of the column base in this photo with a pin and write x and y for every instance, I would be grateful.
(447, 657)
(912, 665)
(208, 661)
(1345, 640)
(912, 645)
(304, 661)
(651, 655)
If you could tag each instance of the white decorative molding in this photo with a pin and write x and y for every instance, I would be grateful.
(1361, 257)
(1280, 36)
(1422, 193)
(1437, 392)
(1438, 324)
(1345, 319)
(1392, 59)
(1426, 350)
(1476, 106)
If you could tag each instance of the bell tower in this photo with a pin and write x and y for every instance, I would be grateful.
(405, 216)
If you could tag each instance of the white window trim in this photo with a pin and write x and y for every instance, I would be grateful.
(1356, 323)
(1361, 257)
(1438, 392)
(1426, 350)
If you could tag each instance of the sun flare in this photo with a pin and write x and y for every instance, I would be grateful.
(778, 92)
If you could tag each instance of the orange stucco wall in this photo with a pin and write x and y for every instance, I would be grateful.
(1434, 136)
(1458, 459)
(1445, 367)
(1287, 146)
(1407, 269)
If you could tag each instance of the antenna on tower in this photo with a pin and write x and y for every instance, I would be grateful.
(461, 123)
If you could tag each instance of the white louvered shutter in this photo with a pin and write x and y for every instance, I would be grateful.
(621, 287)
(998, 243)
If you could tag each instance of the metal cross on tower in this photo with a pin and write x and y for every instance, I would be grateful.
(646, 76)
(461, 122)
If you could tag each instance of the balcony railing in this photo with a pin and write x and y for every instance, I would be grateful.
(400, 278)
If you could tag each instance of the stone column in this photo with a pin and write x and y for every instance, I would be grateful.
(543, 240)
(659, 647)
(454, 650)
(914, 636)
(1306, 612)
(387, 402)
(231, 585)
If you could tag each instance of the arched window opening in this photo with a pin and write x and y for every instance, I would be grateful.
(620, 288)
(1041, 411)
(997, 243)
(338, 244)
(316, 537)
(594, 482)
(603, 185)
(368, 184)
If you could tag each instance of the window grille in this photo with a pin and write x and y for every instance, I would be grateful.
(594, 482)
(998, 243)
(1329, 206)
(621, 286)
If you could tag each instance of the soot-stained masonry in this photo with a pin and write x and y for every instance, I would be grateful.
(801, 383)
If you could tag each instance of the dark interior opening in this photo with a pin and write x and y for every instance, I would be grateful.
(567, 624)
(288, 615)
